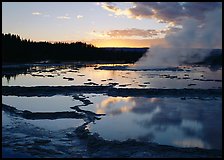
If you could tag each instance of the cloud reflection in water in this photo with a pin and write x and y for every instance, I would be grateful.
(171, 121)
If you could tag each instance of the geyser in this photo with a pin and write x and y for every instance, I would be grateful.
(191, 44)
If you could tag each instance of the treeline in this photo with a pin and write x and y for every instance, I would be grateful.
(17, 50)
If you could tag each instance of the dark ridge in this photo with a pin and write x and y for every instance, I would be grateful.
(41, 115)
(109, 90)
(52, 90)
(165, 92)
(78, 114)
(126, 68)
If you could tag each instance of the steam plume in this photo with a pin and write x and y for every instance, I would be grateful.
(205, 33)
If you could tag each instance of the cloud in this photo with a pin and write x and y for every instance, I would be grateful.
(41, 14)
(200, 23)
(79, 16)
(165, 11)
(134, 32)
(98, 34)
(206, 34)
(109, 6)
(36, 13)
(63, 17)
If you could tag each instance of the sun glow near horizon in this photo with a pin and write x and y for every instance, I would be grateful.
(139, 43)
(70, 22)
(105, 24)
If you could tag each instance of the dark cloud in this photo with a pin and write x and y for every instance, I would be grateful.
(197, 10)
(166, 11)
(112, 8)
(141, 11)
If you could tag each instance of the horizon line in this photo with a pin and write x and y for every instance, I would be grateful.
(70, 41)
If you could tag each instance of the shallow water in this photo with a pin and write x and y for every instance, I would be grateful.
(41, 104)
(176, 121)
(190, 77)
(168, 121)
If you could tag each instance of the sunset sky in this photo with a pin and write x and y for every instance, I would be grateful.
(109, 24)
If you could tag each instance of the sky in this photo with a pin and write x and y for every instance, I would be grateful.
(103, 24)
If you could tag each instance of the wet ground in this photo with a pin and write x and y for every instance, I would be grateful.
(111, 111)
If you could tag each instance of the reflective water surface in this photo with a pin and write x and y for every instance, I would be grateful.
(171, 121)
(189, 77)
(176, 121)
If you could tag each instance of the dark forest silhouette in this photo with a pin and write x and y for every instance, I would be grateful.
(17, 50)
